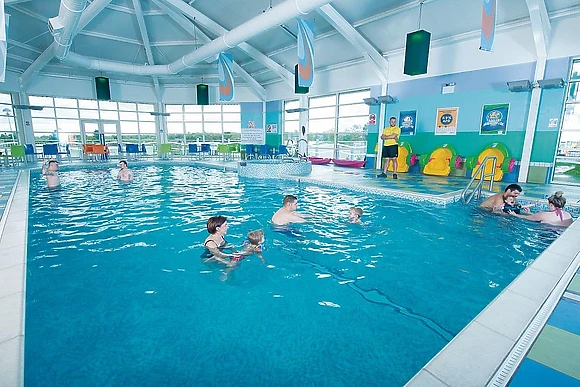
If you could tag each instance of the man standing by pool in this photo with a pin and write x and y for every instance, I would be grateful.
(390, 139)
(494, 201)
(125, 173)
(287, 214)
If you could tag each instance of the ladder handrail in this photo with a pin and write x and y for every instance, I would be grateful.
(482, 177)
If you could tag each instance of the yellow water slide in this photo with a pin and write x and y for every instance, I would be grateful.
(439, 161)
(500, 153)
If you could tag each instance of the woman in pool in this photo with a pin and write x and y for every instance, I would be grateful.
(215, 243)
(556, 216)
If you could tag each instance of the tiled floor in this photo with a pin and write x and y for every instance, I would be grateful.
(7, 180)
(554, 358)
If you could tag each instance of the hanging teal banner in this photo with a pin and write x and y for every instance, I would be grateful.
(488, 17)
(225, 77)
(305, 53)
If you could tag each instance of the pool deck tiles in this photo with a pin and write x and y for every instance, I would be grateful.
(471, 358)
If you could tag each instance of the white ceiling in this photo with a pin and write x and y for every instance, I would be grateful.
(114, 33)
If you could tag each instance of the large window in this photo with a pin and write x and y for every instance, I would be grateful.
(567, 166)
(291, 125)
(210, 123)
(8, 135)
(337, 125)
(62, 121)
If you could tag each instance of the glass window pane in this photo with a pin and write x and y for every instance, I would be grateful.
(107, 105)
(128, 107)
(128, 116)
(291, 116)
(352, 124)
(145, 107)
(574, 92)
(291, 104)
(193, 127)
(67, 113)
(174, 127)
(576, 70)
(212, 117)
(353, 110)
(192, 117)
(354, 97)
(192, 108)
(291, 126)
(146, 117)
(5, 98)
(46, 112)
(147, 127)
(329, 100)
(88, 104)
(65, 102)
(173, 108)
(68, 126)
(232, 117)
(109, 115)
(93, 114)
(175, 117)
(211, 127)
(328, 112)
(321, 126)
(130, 127)
(40, 101)
(231, 108)
(44, 125)
(571, 117)
(232, 127)
(212, 109)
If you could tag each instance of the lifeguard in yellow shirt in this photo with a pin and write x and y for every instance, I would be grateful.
(390, 139)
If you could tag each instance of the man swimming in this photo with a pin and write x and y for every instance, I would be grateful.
(288, 214)
(50, 171)
(495, 201)
(125, 173)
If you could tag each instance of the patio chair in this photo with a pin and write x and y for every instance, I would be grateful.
(165, 151)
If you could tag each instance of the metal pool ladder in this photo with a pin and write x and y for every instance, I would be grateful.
(465, 196)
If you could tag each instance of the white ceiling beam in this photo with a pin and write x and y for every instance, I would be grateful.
(147, 45)
(541, 26)
(88, 14)
(19, 58)
(102, 35)
(331, 15)
(187, 25)
(169, 43)
(130, 11)
(220, 31)
(10, 2)
(24, 46)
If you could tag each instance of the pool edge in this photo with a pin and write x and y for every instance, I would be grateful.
(488, 351)
(13, 301)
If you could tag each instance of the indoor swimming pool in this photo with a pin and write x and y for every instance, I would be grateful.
(117, 292)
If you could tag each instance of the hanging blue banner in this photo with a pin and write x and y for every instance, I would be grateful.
(408, 122)
(488, 17)
(225, 77)
(494, 119)
(305, 53)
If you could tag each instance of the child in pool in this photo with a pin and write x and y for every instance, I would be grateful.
(355, 215)
(510, 204)
(252, 246)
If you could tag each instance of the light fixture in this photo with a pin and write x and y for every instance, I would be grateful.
(160, 114)
(371, 101)
(386, 99)
(27, 107)
(523, 85)
(554, 83)
(297, 110)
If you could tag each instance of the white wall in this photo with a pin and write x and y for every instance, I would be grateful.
(510, 47)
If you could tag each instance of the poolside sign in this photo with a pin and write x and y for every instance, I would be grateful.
(372, 119)
(408, 122)
(446, 121)
(494, 119)
(253, 136)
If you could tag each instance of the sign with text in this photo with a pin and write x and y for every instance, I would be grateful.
(251, 124)
(372, 119)
(494, 119)
(272, 128)
(446, 124)
(253, 136)
(408, 122)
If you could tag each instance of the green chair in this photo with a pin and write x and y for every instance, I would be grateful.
(223, 150)
(235, 149)
(165, 151)
(17, 152)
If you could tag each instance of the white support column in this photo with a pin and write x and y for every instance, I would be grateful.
(541, 28)
(303, 129)
(23, 119)
(382, 120)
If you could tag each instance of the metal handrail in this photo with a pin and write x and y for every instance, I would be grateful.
(482, 177)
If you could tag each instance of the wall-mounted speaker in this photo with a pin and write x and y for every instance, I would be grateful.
(417, 52)
(103, 90)
(202, 94)
(299, 89)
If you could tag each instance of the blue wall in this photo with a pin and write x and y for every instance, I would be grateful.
(274, 116)
(252, 111)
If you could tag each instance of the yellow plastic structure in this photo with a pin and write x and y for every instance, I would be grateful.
(404, 155)
(438, 164)
(497, 152)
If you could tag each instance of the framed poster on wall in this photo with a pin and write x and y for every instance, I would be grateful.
(494, 119)
(446, 124)
(408, 122)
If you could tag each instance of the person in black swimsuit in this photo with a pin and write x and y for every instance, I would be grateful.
(215, 243)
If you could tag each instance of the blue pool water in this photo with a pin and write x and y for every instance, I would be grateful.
(117, 294)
